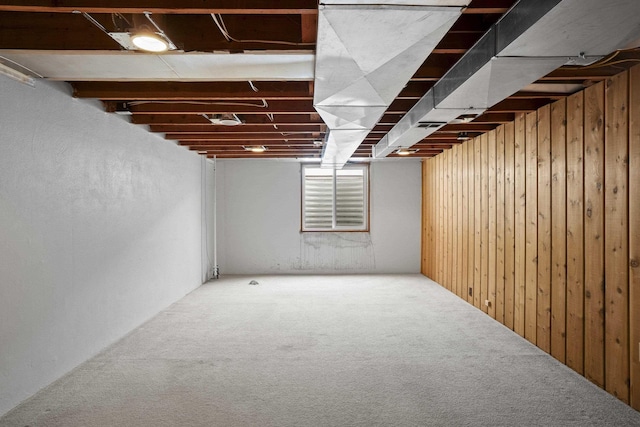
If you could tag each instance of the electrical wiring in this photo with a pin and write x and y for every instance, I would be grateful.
(217, 18)
(609, 60)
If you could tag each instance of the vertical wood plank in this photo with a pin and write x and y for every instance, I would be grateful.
(435, 209)
(616, 240)
(484, 214)
(594, 233)
(460, 229)
(531, 231)
(453, 261)
(436, 243)
(543, 321)
(441, 222)
(575, 233)
(558, 229)
(471, 237)
(509, 225)
(464, 242)
(491, 200)
(446, 218)
(520, 224)
(424, 219)
(500, 217)
(634, 234)
(477, 165)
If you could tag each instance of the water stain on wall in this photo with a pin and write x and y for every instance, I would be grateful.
(336, 251)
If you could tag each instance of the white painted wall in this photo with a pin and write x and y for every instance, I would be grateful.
(100, 228)
(259, 222)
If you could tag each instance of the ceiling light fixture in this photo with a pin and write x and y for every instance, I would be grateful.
(463, 136)
(224, 119)
(464, 118)
(255, 148)
(405, 151)
(145, 39)
(142, 37)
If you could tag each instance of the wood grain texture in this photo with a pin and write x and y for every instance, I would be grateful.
(446, 266)
(594, 234)
(454, 220)
(558, 229)
(634, 234)
(484, 215)
(544, 223)
(575, 233)
(491, 227)
(470, 149)
(477, 165)
(464, 240)
(543, 321)
(531, 230)
(616, 241)
(500, 219)
(520, 225)
(460, 280)
(509, 225)
(441, 216)
(426, 188)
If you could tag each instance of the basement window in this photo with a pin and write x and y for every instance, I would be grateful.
(335, 199)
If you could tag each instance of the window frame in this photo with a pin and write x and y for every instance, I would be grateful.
(366, 202)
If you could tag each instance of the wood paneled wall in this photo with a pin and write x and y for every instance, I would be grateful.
(537, 224)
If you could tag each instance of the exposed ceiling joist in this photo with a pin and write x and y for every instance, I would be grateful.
(181, 106)
(149, 91)
(193, 7)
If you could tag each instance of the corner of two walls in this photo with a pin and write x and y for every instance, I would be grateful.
(100, 229)
(537, 223)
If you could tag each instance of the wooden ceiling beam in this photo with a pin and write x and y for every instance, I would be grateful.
(50, 31)
(55, 31)
(240, 137)
(216, 143)
(238, 146)
(538, 95)
(498, 118)
(518, 105)
(182, 91)
(244, 129)
(191, 7)
(465, 127)
(151, 107)
(253, 119)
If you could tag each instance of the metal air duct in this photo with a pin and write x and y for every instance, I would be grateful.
(532, 39)
(366, 52)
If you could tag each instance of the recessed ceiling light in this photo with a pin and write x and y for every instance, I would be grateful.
(150, 42)
(463, 136)
(405, 151)
(224, 119)
(256, 148)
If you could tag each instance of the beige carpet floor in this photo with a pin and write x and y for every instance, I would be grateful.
(362, 350)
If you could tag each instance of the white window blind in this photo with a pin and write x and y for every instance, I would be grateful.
(335, 199)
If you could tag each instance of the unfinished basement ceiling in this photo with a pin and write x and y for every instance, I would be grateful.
(255, 60)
